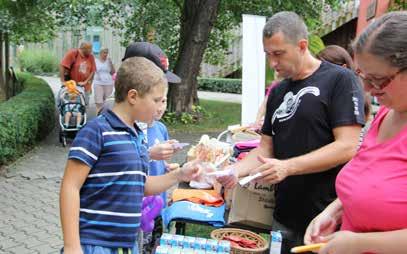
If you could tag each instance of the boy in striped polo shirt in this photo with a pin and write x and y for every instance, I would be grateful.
(106, 174)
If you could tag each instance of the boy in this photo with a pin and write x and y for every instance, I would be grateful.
(106, 174)
(161, 149)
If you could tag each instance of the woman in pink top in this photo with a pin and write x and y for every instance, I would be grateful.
(371, 209)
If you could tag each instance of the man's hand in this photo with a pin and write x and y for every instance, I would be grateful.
(229, 181)
(189, 171)
(273, 170)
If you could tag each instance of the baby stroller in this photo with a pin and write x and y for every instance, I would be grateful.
(71, 101)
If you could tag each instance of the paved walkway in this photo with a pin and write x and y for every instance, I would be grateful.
(29, 193)
(227, 97)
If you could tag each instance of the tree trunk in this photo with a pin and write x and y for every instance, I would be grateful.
(197, 19)
(3, 91)
(9, 88)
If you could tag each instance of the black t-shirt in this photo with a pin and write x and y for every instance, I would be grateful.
(300, 117)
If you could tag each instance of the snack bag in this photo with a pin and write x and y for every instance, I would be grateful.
(213, 155)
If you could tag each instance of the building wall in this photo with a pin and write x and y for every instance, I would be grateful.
(342, 36)
(381, 7)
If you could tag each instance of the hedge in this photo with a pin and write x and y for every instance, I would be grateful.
(223, 85)
(38, 61)
(26, 118)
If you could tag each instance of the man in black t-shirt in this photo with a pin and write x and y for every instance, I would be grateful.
(311, 128)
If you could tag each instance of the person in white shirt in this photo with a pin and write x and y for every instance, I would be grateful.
(103, 81)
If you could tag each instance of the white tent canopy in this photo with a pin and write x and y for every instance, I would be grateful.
(254, 67)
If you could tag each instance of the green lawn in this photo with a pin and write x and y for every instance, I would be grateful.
(198, 230)
(220, 116)
(2, 96)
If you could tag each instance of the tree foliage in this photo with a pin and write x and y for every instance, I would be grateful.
(39, 20)
(26, 20)
(160, 21)
(136, 19)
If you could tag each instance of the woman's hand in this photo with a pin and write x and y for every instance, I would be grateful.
(340, 243)
(323, 225)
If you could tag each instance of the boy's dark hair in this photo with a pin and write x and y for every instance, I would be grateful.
(137, 73)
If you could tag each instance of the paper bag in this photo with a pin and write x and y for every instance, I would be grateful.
(253, 206)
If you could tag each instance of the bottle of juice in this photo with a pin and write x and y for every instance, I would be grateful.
(276, 240)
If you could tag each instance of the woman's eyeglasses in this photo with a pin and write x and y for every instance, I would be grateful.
(381, 82)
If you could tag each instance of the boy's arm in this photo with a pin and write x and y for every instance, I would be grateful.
(158, 184)
(74, 177)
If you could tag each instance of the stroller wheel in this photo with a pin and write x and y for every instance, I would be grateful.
(63, 141)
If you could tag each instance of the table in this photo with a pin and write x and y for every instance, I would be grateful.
(180, 224)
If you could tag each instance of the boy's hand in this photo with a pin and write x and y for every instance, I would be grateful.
(171, 166)
(176, 145)
(162, 151)
(189, 171)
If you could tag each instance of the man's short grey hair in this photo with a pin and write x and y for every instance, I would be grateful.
(289, 24)
(386, 38)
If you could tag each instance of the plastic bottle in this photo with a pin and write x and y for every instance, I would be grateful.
(276, 240)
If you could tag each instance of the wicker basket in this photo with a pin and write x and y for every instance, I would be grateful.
(262, 244)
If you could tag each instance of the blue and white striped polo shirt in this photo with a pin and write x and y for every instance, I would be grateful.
(111, 197)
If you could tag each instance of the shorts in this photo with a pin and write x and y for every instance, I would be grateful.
(73, 108)
(102, 92)
(87, 97)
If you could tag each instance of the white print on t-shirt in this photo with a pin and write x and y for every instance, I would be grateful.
(355, 106)
(83, 68)
(291, 102)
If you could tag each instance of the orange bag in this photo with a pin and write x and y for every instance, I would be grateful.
(203, 197)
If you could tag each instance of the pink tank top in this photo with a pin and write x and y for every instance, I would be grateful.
(373, 185)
